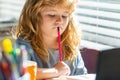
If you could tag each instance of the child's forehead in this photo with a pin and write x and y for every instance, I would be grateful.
(65, 5)
(56, 8)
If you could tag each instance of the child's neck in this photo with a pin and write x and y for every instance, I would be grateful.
(51, 43)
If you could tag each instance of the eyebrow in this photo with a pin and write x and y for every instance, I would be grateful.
(56, 11)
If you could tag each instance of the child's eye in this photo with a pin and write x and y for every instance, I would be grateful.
(64, 16)
(51, 15)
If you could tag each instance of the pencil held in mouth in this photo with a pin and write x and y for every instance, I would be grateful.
(59, 44)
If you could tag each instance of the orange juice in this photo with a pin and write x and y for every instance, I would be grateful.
(31, 68)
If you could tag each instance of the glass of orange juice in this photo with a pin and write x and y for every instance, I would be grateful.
(31, 68)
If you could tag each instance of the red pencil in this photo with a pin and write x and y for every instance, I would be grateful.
(59, 44)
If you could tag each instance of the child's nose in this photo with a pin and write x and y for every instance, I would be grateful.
(59, 20)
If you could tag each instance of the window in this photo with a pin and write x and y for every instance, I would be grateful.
(100, 22)
(11, 8)
(9, 13)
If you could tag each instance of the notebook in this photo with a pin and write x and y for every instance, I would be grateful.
(108, 65)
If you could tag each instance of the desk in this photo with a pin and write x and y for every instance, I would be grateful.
(78, 77)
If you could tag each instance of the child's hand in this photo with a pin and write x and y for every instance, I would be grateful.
(62, 69)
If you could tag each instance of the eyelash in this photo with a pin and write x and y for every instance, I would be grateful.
(64, 16)
(55, 15)
(51, 15)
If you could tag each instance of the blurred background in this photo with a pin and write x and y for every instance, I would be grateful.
(100, 21)
(9, 14)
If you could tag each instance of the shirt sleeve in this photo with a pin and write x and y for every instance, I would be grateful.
(80, 68)
(28, 47)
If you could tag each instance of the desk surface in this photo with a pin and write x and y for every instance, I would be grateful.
(78, 77)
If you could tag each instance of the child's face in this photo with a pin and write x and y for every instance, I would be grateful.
(54, 17)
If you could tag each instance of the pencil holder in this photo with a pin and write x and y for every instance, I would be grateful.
(11, 60)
